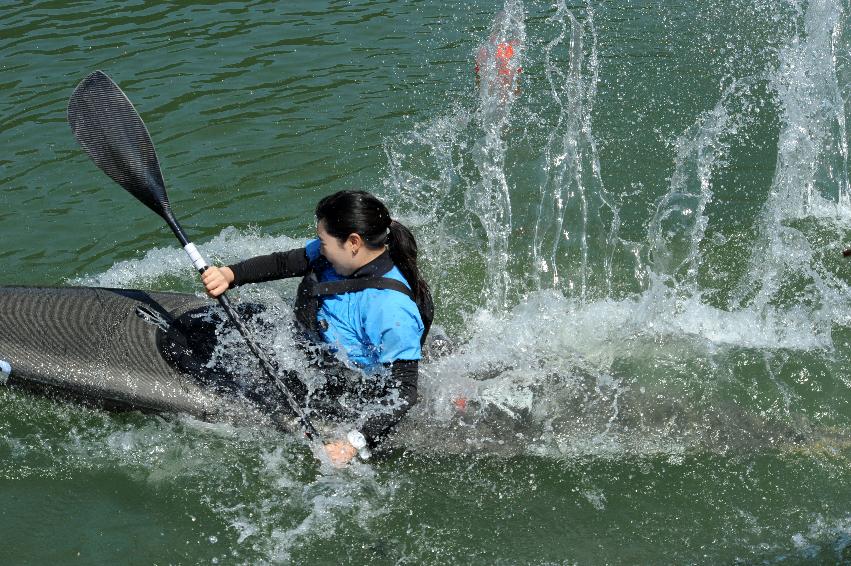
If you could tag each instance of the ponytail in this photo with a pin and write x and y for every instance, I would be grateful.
(403, 252)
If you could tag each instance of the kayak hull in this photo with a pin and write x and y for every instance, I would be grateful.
(107, 346)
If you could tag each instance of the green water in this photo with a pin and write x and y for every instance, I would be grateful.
(637, 246)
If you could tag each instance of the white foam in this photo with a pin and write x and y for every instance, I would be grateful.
(229, 246)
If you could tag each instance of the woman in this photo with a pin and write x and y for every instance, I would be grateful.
(361, 295)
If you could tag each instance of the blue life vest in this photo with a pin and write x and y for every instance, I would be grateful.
(370, 321)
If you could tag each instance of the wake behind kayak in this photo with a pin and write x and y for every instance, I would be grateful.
(123, 349)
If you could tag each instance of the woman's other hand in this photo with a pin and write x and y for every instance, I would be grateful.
(340, 452)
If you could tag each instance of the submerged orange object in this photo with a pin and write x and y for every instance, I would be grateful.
(504, 51)
(502, 54)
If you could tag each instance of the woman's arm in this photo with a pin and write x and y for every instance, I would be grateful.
(404, 373)
(375, 428)
(391, 321)
(278, 265)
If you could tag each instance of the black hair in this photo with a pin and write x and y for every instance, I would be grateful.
(359, 212)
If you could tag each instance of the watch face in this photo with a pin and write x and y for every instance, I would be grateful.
(356, 439)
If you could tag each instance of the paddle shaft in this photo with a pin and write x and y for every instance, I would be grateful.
(201, 265)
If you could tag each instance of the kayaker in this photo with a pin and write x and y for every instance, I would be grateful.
(363, 297)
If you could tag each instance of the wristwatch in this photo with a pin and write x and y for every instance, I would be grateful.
(6, 370)
(358, 440)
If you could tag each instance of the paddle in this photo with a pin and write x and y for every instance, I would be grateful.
(108, 127)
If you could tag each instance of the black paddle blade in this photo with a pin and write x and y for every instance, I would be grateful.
(107, 126)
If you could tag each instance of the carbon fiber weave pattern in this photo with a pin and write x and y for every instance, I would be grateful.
(90, 342)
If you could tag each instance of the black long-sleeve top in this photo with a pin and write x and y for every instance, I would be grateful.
(404, 373)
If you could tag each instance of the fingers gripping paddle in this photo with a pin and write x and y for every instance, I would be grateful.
(108, 127)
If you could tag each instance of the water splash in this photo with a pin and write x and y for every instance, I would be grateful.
(499, 61)
(159, 264)
(568, 346)
(524, 369)
(678, 227)
(570, 220)
(793, 263)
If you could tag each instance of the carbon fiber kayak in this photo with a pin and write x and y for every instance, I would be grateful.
(122, 349)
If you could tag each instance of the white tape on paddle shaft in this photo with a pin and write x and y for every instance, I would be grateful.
(5, 371)
(195, 256)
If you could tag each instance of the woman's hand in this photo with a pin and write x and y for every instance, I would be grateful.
(340, 452)
(217, 280)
